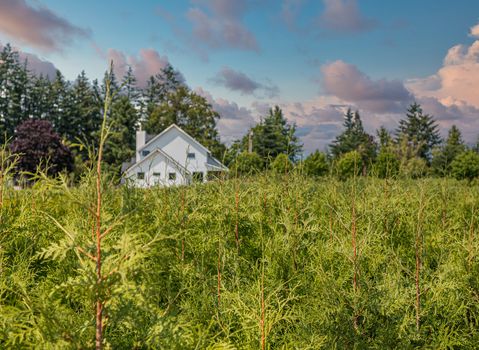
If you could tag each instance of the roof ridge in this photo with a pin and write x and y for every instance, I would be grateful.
(166, 155)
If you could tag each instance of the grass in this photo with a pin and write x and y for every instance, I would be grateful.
(271, 262)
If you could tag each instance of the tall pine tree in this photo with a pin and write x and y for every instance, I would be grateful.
(13, 91)
(274, 136)
(445, 155)
(158, 87)
(123, 120)
(86, 114)
(354, 138)
(62, 113)
(420, 130)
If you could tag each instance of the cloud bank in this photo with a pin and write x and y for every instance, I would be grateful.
(349, 84)
(37, 26)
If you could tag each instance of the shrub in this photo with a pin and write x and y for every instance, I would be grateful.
(387, 165)
(465, 166)
(413, 168)
(247, 163)
(316, 164)
(349, 164)
(281, 164)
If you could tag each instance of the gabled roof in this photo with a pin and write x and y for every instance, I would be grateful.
(174, 126)
(215, 164)
(164, 154)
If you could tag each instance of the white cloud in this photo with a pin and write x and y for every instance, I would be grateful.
(457, 79)
(475, 31)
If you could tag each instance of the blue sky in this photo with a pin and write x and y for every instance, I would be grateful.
(313, 58)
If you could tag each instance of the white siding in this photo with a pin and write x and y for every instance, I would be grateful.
(156, 164)
(177, 145)
(168, 153)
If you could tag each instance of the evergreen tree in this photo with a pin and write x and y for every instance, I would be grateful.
(129, 88)
(354, 138)
(61, 114)
(169, 80)
(100, 90)
(274, 136)
(86, 114)
(443, 157)
(39, 104)
(421, 131)
(123, 120)
(411, 165)
(159, 87)
(120, 145)
(13, 91)
(384, 137)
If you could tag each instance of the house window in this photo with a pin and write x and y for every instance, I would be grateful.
(198, 176)
(191, 155)
(172, 176)
(140, 175)
(145, 153)
(157, 174)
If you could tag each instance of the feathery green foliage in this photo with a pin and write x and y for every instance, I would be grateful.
(178, 279)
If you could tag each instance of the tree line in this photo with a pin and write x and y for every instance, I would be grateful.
(57, 122)
(54, 123)
(415, 149)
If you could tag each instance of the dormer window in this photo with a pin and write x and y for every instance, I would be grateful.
(145, 153)
(191, 155)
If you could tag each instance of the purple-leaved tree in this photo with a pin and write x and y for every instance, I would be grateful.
(37, 143)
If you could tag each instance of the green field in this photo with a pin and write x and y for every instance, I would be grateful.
(283, 262)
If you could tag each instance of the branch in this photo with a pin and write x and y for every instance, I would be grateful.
(81, 250)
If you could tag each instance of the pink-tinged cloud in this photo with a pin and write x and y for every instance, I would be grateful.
(218, 24)
(234, 120)
(238, 81)
(475, 31)
(349, 84)
(35, 64)
(457, 79)
(37, 26)
(343, 16)
(147, 63)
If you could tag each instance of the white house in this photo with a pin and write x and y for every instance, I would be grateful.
(170, 158)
